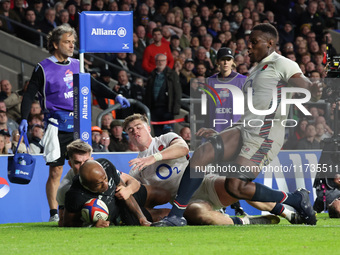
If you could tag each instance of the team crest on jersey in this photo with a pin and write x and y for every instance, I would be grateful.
(161, 147)
(68, 79)
(264, 68)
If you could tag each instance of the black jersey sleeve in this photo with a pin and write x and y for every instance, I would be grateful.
(35, 85)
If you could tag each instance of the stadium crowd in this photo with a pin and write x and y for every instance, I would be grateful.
(190, 32)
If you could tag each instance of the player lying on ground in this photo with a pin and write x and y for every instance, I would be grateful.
(100, 179)
(161, 163)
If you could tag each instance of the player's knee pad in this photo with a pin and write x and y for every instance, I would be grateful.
(237, 172)
(218, 145)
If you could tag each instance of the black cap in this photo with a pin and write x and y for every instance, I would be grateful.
(5, 132)
(174, 37)
(224, 52)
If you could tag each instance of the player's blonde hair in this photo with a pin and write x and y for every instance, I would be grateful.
(136, 116)
(78, 147)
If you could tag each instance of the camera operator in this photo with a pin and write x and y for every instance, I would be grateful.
(327, 191)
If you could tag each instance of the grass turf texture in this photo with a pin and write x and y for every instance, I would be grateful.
(47, 238)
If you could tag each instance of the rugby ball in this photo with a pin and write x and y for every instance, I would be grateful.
(93, 210)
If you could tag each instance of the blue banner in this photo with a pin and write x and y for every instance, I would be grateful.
(82, 107)
(106, 32)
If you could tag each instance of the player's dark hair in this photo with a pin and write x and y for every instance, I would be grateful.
(267, 28)
(55, 35)
(136, 116)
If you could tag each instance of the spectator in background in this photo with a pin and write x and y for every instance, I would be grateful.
(39, 10)
(105, 140)
(58, 7)
(186, 75)
(237, 22)
(327, 38)
(49, 23)
(8, 140)
(121, 61)
(157, 47)
(202, 58)
(10, 122)
(328, 131)
(86, 5)
(11, 99)
(64, 17)
(15, 141)
(31, 22)
(37, 134)
(310, 16)
(19, 8)
(6, 11)
(186, 36)
(163, 93)
(35, 108)
(106, 121)
(298, 134)
(118, 142)
(308, 142)
(96, 136)
(320, 133)
(3, 148)
(207, 41)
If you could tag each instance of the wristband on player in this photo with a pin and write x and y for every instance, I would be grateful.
(158, 156)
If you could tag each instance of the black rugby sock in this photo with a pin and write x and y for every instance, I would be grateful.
(266, 194)
(53, 212)
(187, 188)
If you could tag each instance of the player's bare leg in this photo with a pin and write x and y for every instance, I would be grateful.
(156, 196)
(52, 185)
(201, 213)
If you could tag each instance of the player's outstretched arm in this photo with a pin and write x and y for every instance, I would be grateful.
(315, 88)
(134, 207)
(177, 148)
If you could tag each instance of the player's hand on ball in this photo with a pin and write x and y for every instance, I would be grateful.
(102, 224)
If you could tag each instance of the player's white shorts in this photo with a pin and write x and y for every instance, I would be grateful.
(207, 192)
(257, 149)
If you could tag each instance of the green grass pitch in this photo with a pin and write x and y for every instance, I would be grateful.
(47, 238)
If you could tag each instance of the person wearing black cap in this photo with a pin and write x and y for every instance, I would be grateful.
(186, 75)
(225, 65)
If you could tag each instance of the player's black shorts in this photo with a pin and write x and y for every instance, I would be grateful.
(126, 216)
(65, 138)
